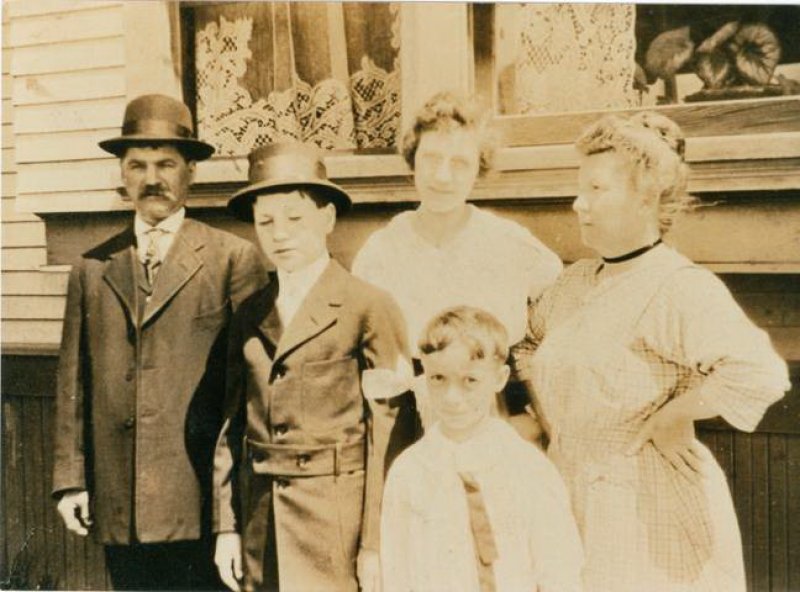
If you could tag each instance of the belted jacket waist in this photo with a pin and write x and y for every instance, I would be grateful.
(306, 461)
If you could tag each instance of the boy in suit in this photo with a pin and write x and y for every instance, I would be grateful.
(300, 461)
(472, 506)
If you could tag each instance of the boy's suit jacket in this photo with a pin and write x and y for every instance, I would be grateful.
(140, 383)
(298, 389)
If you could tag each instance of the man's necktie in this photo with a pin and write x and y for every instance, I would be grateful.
(485, 547)
(152, 260)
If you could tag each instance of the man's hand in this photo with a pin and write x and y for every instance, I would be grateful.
(74, 509)
(228, 557)
(368, 570)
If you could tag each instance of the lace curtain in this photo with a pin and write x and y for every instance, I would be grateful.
(326, 73)
(565, 57)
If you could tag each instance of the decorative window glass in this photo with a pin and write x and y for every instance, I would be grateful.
(327, 73)
(545, 58)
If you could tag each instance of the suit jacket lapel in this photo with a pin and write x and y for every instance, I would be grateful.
(179, 266)
(270, 325)
(318, 311)
(120, 275)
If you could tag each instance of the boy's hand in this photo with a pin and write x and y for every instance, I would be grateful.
(74, 509)
(228, 557)
(368, 570)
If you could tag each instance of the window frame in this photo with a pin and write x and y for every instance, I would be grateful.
(732, 146)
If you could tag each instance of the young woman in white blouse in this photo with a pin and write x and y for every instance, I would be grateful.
(447, 252)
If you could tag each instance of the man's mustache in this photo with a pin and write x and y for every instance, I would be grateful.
(156, 191)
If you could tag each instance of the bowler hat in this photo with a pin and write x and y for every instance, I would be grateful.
(157, 119)
(283, 166)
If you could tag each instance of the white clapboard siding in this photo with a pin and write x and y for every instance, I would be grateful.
(49, 177)
(28, 332)
(71, 57)
(63, 146)
(23, 234)
(11, 214)
(8, 111)
(66, 116)
(23, 8)
(9, 183)
(32, 89)
(22, 258)
(66, 26)
(8, 135)
(73, 201)
(33, 307)
(7, 156)
(6, 59)
(36, 283)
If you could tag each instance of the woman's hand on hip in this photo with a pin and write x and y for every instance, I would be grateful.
(673, 436)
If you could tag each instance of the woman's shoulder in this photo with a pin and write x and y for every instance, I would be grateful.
(509, 232)
(397, 228)
(384, 243)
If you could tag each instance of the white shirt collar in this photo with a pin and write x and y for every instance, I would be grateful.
(299, 282)
(170, 224)
(477, 453)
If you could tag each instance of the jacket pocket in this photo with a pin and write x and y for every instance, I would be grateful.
(212, 318)
(331, 396)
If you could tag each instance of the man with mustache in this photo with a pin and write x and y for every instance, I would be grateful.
(142, 367)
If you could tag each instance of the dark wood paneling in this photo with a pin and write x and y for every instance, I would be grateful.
(38, 552)
(792, 468)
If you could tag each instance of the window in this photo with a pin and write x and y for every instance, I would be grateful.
(545, 58)
(350, 76)
(327, 73)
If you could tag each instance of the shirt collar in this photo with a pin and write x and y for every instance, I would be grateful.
(169, 224)
(303, 279)
(479, 452)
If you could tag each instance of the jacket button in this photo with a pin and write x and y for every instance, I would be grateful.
(302, 460)
(281, 429)
(130, 422)
(129, 375)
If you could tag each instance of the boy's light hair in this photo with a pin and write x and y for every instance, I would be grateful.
(480, 331)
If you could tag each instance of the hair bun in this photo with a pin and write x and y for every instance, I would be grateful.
(666, 129)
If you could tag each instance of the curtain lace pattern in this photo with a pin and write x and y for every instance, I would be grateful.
(361, 110)
(571, 57)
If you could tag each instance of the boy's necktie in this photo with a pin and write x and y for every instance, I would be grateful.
(485, 546)
(152, 260)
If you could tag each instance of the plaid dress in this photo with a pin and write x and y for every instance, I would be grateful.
(601, 355)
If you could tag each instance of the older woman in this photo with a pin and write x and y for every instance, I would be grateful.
(624, 353)
(448, 252)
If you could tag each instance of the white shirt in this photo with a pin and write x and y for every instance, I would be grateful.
(492, 263)
(293, 287)
(426, 542)
(169, 227)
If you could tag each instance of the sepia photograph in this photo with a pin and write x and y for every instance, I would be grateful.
(414, 296)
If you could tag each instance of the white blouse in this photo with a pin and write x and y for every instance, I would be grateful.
(493, 263)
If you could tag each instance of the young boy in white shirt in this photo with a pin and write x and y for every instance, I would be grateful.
(472, 506)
